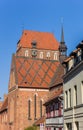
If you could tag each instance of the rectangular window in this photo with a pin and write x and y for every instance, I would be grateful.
(69, 97)
(82, 91)
(77, 125)
(66, 99)
(75, 95)
(69, 126)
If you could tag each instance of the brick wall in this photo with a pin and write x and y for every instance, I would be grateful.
(20, 98)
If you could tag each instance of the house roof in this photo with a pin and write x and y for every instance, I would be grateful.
(4, 105)
(45, 40)
(34, 73)
(54, 95)
(39, 121)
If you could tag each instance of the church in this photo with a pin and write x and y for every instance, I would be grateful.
(33, 67)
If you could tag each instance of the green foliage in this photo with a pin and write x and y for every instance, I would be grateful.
(31, 128)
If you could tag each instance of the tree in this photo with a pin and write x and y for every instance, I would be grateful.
(31, 128)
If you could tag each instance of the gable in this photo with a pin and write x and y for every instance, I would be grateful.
(44, 40)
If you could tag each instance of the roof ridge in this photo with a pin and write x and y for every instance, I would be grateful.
(38, 31)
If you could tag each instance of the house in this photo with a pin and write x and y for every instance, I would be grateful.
(54, 103)
(73, 90)
(4, 114)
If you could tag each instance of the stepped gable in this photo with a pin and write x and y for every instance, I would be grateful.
(34, 73)
(4, 105)
(45, 40)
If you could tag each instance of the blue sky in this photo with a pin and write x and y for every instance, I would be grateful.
(39, 15)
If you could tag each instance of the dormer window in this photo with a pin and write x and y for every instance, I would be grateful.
(34, 44)
(70, 63)
(79, 55)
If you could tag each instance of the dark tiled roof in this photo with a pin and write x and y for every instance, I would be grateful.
(45, 40)
(4, 105)
(58, 77)
(34, 72)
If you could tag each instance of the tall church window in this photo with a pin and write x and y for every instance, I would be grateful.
(40, 108)
(41, 55)
(35, 106)
(29, 109)
(26, 53)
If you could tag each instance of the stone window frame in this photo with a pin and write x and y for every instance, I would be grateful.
(41, 55)
(26, 53)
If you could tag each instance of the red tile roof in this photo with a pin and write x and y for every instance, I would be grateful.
(53, 95)
(39, 121)
(34, 72)
(45, 40)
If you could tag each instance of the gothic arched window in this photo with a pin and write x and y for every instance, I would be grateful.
(48, 55)
(26, 53)
(35, 106)
(29, 109)
(41, 55)
(55, 56)
(40, 108)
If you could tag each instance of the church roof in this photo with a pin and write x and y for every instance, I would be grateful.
(58, 76)
(34, 73)
(45, 40)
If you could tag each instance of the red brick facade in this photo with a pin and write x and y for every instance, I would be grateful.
(31, 75)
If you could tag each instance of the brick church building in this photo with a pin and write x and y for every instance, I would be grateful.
(32, 72)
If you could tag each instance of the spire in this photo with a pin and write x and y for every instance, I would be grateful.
(62, 35)
(62, 47)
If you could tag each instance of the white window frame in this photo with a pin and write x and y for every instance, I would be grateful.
(48, 55)
(26, 53)
(41, 55)
(55, 56)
